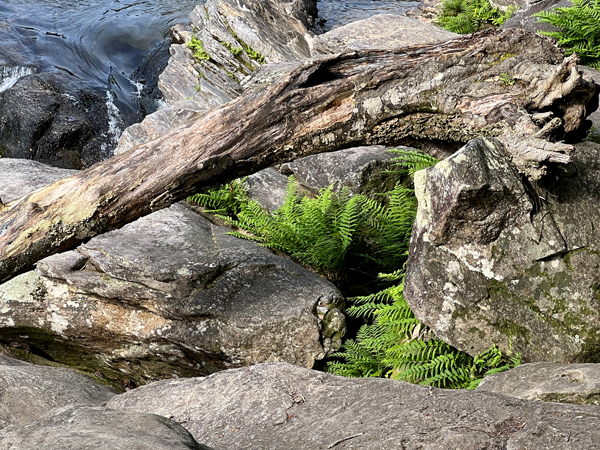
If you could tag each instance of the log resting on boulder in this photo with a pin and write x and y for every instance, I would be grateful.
(449, 92)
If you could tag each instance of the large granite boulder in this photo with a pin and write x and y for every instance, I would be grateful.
(274, 406)
(548, 382)
(360, 169)
(53, 118)
(87, 427)
(171, 295)
(28, 391)
(495, 259)
(383, 31)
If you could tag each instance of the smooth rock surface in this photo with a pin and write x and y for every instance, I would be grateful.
(548, 382)
(87, 428)
(22, 176)
(383, 31)
(28, 391)
(267, 187)
(275, 406)
(171, 295)
(495, 260)
(523, 17)
(358, 168)
(52, 118)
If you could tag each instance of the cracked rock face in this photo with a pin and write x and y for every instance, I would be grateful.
(263, 406)
(231, 31)
(171, 295)
(497, 260)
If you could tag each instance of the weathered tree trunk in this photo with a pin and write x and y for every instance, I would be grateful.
(484, 84)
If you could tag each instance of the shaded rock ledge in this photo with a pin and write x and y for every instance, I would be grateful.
(548, 382)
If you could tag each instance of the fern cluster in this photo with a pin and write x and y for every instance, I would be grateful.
(227, 200)
(580, 29)
(395, 344)
(469, 16)
(326, 233)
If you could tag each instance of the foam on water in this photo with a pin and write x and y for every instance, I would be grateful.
(10, 74)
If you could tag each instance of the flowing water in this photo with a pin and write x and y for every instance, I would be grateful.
(103, 42)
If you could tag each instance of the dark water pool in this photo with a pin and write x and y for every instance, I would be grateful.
(103, 42)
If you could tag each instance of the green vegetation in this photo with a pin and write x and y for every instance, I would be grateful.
(197, 48)
(235, 51)
(580, 29)
(395, 344)
(469, 16)
(506, 79)
(253, 54)
(337, 234)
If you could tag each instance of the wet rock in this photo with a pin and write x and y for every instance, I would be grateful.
(28, 391)
(52, 118)
(263, 406)
(171, 295)
(495, 259)
(383, 31)
(86, 427)
(22, 176)
(548, 382)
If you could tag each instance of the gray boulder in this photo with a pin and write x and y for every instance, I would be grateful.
(171, 295)
(28, 391)
(383, 31)
(87, 428)
(548, 382)
(230, 32)
(360, 169)
(523, 17)
(22, 176)
(495, 259)
(274, 406)
(268, 187)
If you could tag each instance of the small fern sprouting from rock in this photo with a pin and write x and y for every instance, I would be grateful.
(469, 16)
(580, 29)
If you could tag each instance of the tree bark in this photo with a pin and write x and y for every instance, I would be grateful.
(484, 84)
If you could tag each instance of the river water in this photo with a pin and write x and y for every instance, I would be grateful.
(103, 42)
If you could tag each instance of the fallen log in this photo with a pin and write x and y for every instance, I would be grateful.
(489, 84)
